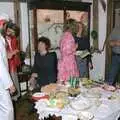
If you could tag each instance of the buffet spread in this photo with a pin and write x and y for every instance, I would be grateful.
(88, 101)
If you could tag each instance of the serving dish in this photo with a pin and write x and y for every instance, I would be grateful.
(80, 104)
(39, 95)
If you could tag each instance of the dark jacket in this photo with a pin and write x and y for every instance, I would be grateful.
(46, 67)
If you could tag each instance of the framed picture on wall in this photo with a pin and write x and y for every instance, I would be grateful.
(50, 24)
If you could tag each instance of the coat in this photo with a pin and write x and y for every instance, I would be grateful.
(14, 62)
(6, 107)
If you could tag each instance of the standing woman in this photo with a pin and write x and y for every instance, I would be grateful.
(6, 84)
(67, 66)
(13, 58)
(82, 43)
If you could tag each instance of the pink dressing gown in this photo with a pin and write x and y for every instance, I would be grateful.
(67, 66)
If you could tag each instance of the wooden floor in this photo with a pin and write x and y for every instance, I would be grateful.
(23, 109)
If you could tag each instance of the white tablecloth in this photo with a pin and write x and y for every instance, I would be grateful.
(106, 110)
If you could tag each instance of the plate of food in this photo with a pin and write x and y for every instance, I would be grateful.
(80, 104)
(92, 93)
(84, 115)
(50, 88)
(73, 91)
(39, 95)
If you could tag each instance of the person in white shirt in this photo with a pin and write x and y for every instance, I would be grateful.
(6, 84)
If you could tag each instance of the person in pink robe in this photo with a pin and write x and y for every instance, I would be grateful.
(67, 66)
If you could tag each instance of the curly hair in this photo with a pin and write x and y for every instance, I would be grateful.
(71, 24)
(46, 41)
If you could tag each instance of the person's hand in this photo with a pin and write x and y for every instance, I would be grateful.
(117, 43)
(16, 51)
(60, 82)
(32, 83)
(34, 75)
(12, 89)
(112, 43)
(76, 45)
(31, 79)
(10, 54)
(90, 66)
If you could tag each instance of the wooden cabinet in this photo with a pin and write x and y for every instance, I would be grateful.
(23, 78)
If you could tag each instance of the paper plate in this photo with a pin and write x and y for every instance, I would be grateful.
(39, 95)
(80, 104)
(85, 115)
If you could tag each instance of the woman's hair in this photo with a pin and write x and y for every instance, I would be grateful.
(84, 31)
(13, 27)
(46, 41)
(71, 24)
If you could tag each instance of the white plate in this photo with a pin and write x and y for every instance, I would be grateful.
(80, 104)
(85, 115)
(92, 93)
(38, 94)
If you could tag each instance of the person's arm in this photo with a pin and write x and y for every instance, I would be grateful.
(90, 64)
(14, 47)
(35, 68)
(34, 75)
(113, 43)
(54, 65)
(5, 76)
(56, 62)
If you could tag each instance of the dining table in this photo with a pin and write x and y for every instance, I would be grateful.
(102, 105)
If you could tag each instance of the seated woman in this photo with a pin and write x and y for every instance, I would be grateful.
(45, 65)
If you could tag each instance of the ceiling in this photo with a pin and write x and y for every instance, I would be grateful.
(13, 0)
(34, 0)
(41, 0)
